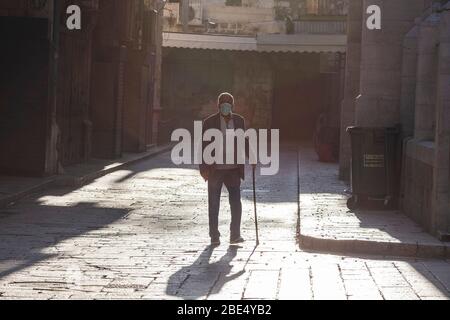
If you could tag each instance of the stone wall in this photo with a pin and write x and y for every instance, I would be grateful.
(381, 62)
(425, 178)
(417, 184)
(191, 82)
(193, 79)
(409, 81)
(441, 178)
(252, 87)
(400, 74)
(427, 65)
(125, 77)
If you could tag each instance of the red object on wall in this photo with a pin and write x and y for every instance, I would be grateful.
(325, 153)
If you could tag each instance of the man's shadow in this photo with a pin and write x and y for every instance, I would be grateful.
(202, 278)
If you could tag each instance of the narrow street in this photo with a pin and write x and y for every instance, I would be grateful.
(142, 233)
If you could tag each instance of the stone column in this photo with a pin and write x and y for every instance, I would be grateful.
(428, 56)
(351, 86)
(381, 62)
(107, 78)
(409, 78)
(441, 197)
(157, 87)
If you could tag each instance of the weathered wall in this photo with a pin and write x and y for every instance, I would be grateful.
(73, 90)
(126, 77)
(418, 171)
(426, 159)
(253, 88)
(142, 83)
(191, 83)
(409, 81)
(427, 66)
(381, 62)
(417, 182)
(193, 79)
(401, 75)
(441, 178)
(108, 72)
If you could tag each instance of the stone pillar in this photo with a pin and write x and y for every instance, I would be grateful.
(136, 86)
(351, 86)
(409, 75)
(441, 197)
(381, 62)
(157, 88)
(107, 82)
(407, 113)
(425, 120)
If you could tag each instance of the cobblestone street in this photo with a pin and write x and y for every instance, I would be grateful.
(142, 233)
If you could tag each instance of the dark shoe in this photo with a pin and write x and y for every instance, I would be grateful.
(215, 242)
(237, 240)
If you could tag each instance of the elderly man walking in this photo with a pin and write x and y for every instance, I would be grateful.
(226, 174)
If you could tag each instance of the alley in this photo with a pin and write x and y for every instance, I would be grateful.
(142, 233)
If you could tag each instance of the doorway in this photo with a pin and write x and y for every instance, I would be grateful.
(299, 95)
(24, 73)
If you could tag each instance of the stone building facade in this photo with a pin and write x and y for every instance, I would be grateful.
(400, 75)
(251, 17)
(426, 175)
(70, 95)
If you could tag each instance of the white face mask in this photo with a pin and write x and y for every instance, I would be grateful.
(226, 109)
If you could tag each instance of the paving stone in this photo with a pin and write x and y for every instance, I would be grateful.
(262, 284)
(295, 284)
(327, 282)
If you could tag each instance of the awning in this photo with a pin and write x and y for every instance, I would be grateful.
(206, 41)
(262, 43)
(302, 43)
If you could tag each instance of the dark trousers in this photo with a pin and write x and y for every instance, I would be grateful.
(232, 180)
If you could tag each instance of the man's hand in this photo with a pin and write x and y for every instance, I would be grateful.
(205, 175)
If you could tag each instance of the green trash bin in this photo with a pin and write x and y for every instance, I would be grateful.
(375, 169)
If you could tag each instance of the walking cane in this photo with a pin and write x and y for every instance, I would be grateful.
(256, 220)
(254, 202)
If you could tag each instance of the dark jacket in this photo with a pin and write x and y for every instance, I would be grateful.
(213, 122)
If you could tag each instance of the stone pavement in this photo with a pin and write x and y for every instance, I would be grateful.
(327, 223)
(13, 188)
(141, 232)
